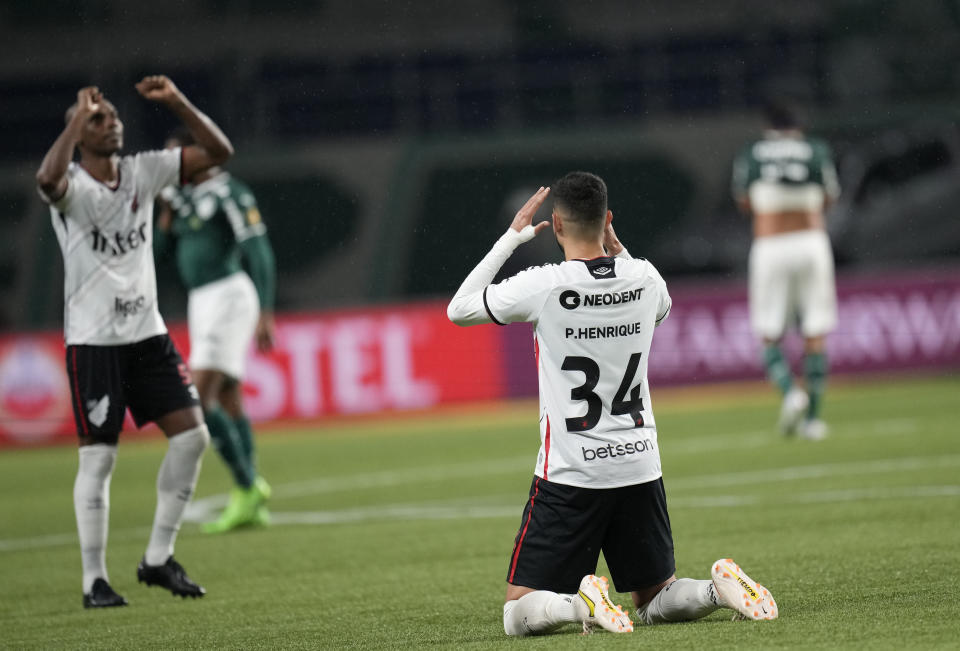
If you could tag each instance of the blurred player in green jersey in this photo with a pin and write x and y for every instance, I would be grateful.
(785, 181)
(226, 262)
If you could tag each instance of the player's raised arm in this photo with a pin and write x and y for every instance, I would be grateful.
(212, 146)
(467, 306)
(52, 175)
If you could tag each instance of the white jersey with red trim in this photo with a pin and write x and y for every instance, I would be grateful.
(106, 235)
(593, 326)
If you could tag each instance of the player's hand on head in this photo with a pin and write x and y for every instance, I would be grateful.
(525, 215)
(611, 243)
(158, 88)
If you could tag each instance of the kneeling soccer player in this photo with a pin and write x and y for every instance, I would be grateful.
(598, 484)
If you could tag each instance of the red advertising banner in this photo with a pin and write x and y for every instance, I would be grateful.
(366, 361)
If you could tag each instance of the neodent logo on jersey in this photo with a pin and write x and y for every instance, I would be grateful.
(571, 300)
(611, 451)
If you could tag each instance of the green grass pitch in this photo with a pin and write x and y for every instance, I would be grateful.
(397, 534)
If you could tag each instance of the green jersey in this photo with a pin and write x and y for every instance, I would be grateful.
(216, 231)
(785, 162)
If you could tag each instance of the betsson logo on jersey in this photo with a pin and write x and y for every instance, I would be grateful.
(571, 300)
(611, 451)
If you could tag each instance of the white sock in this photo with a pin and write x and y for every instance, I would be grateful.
(91, 503)
(175, 483)
(681, 601)
(541, 612)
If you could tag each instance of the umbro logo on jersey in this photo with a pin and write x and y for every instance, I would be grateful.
(602, 271)
(98, 410)
(119, 243)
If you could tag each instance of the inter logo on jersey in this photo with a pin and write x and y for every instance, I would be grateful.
(119, 243)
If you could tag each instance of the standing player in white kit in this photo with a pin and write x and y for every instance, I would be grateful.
(119, 354)
(598, 483)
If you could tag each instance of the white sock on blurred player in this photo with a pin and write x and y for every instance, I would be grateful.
(542, 611)
(681, 601)
(175, 483)
(91, 502)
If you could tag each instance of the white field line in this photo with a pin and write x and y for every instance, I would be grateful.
(819, 497)
(448, 512)
(379, 479)
(507, 466)
(453, 511)
(816, 471)
(399, 512)
(68, 539)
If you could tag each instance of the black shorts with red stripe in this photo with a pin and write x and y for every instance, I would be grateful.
(148, 377)
(564, 529)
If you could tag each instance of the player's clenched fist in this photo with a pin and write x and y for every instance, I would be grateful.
(88, 100)
(158, 88)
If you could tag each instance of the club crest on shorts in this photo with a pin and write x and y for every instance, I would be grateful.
(98, 410)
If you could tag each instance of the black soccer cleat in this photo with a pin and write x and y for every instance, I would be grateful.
(101, 595)
(171, 576)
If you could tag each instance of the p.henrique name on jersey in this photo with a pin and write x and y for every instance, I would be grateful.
(604, 332)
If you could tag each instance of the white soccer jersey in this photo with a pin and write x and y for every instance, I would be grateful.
(593, 325)
(106, 235)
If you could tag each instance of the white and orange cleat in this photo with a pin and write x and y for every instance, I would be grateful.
(741, 593)
(602, 612)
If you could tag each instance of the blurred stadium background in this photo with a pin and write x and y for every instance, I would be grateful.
(388, 144)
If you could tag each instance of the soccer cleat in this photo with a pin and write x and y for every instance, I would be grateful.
(739, 592)
(262, 518)
(813, 430)
(792, 409)
(171, 576)
(263, 488)
(101, 595)
(243, 508)
(601, 611)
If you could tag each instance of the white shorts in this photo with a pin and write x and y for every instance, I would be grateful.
(222, 317)
(792, 282)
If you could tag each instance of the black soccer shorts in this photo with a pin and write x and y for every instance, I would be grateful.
(148, 377)
(564, 529)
